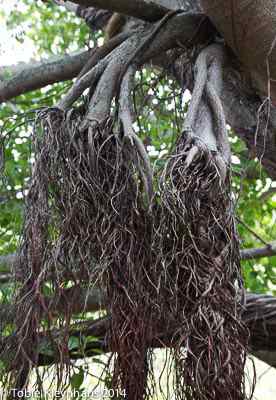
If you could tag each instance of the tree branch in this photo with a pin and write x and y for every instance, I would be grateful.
(266, 195)
(93, 17)
(76, 299)
(242, 108)
(7, 262)
(27, 77)
(69, 5)
(145, 10)
(259, 252)
(259, 315)
(189, 28)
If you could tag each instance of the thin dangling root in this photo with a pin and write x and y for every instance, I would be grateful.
(75, 217)
(125, 115)
(199, 251)
(166, 260)
(201, 269)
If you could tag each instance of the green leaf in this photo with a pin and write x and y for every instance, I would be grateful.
(77, 379)
(46, 348)
(73, 343)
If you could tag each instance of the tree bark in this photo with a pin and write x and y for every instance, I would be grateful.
(32, 76)
(243, 109)
(249, 28)
(146, 10)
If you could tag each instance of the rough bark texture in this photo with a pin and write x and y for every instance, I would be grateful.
(249, 28)
(179, 4)
(35, 75)
(145, 10)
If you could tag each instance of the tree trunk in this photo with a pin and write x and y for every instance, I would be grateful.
(249, 29)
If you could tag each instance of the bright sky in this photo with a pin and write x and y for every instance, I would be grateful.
(11, 50)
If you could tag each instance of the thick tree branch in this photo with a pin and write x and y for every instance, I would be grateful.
(27, 77)
(7, 262)
(76, 299)
(69, 5)
(242, 108)
(259, 252)
(93, 17)
(259, 315)
(145, 10)
(266, 195)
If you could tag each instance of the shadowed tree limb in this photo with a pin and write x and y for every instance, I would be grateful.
(69, 5)
(259, 315)
(26, 77)
(76, 299)
(7, 262)
(259, 252)
(145, 10)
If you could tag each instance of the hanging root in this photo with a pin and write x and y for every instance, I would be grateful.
(172, 265)
(79, 212)
(201, 275)
(90, 201)
(59, 239)
(125, 115)
(122, 173)
(126, 255)
(125, 237)
(95, 68)
(200, 252)
(124, 230)
(28, 313)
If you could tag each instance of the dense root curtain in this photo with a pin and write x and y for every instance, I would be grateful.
(199, 248)
(95, 206)
(201, 275)
(166, 260)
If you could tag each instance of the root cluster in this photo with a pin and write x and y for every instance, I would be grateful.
(165, 261)
(201, 275)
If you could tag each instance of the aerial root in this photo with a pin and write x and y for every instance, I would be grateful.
(111, 53)
(169, 258)
(207, 88)
(89, 201)
(199, 250)
(123, 181)
(125, 114)
(201, 272)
